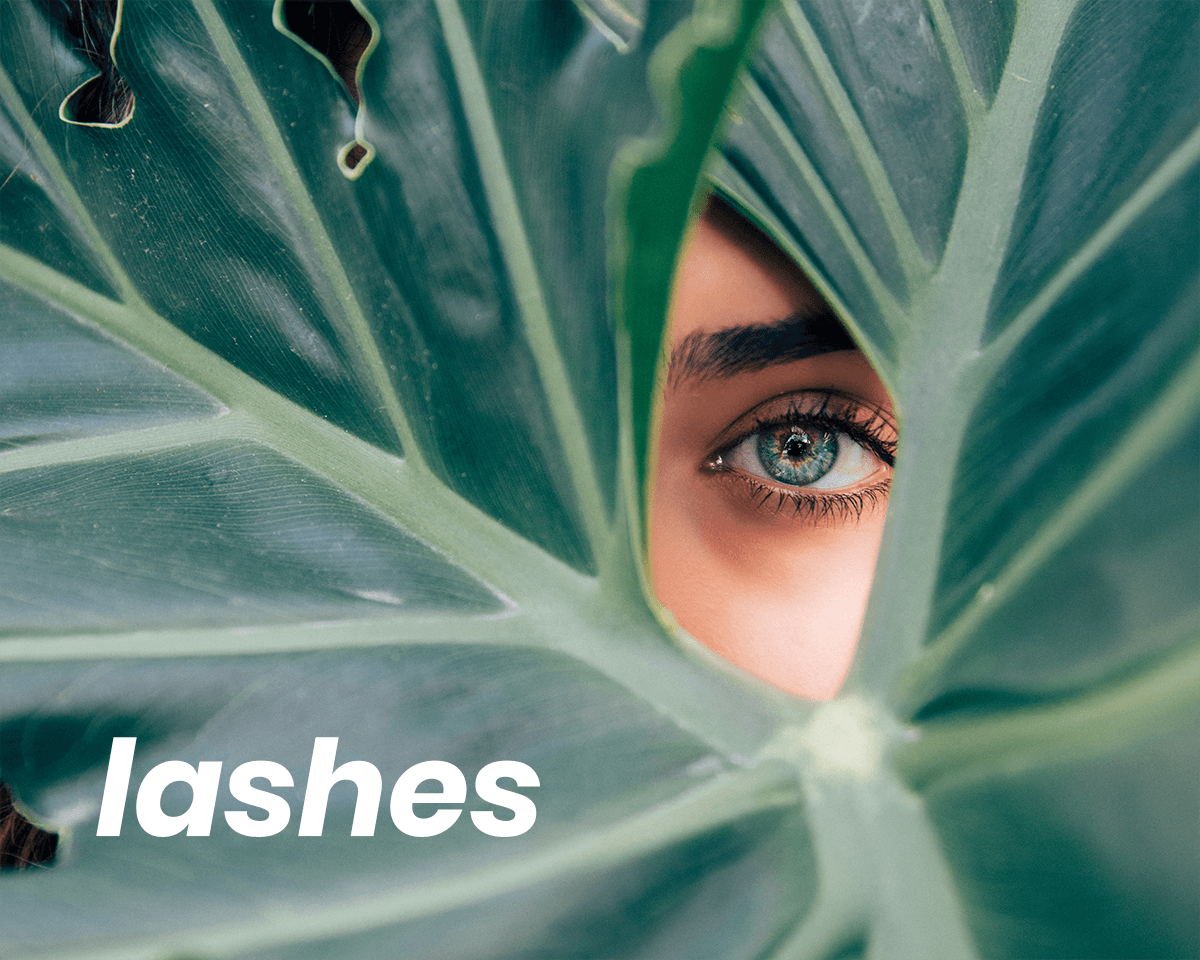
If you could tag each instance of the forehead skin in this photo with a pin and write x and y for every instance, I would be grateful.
(731, 276)
(781, 597)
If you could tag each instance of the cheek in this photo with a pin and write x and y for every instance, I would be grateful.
(782, 598)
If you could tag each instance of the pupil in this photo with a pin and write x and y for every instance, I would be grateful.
(798, 446)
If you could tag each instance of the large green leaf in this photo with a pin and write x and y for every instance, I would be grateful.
(294, 449)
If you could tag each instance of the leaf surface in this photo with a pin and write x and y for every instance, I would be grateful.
(294, 448)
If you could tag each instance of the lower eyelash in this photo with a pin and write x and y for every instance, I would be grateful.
(813, 506)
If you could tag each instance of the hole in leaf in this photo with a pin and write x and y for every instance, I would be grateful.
(104, 100)
(774, 456)
(337, 31)
(356, 152)
(353, 159)
(22, 844)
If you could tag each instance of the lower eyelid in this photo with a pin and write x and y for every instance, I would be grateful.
(805, 503)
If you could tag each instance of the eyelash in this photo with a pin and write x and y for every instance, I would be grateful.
(872, 431)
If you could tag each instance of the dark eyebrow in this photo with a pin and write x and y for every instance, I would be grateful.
(708, 356)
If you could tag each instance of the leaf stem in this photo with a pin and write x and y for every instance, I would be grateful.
(883, 876)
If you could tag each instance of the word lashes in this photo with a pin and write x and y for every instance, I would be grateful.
(205, 781)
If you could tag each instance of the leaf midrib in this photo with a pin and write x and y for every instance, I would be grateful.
(725, 799)
(942, 361)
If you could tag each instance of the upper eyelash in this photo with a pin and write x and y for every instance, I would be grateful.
(873, 431)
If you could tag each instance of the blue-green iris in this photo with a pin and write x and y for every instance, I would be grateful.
(797, 456)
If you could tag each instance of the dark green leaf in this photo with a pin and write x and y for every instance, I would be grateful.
(296, 446)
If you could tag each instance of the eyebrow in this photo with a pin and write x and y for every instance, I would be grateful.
(756, 346)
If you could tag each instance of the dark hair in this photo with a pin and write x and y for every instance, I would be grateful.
(90, 25)
(334, 28)
(21, 843)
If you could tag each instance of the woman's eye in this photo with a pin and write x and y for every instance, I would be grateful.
(802, 455)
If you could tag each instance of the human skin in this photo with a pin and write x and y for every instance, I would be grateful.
(772, 575)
